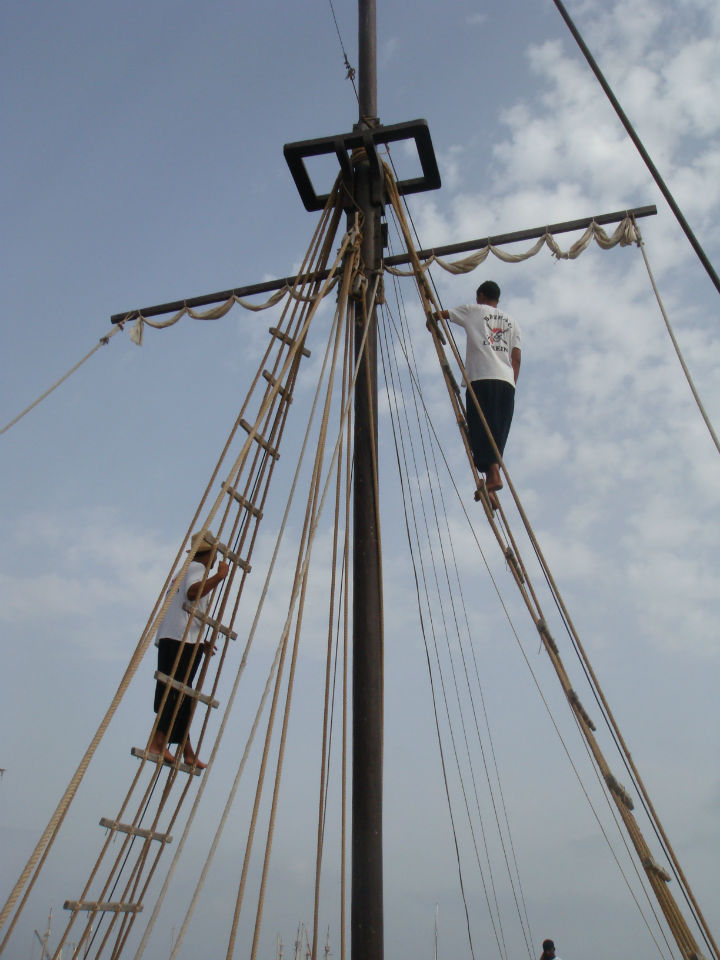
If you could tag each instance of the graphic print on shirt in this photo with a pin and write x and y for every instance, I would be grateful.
(497, 337)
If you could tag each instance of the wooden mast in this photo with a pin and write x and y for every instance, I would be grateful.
(367, 877)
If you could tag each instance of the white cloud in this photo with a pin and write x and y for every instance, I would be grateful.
(476, 19)
(90, 575)
(388, 50)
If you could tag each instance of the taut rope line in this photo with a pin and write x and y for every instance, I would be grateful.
(675, 921)
(48, 837)
(300, 338)
(676, 346)
(296, 589)
(231, 699)
(102, 342)
(416, 389)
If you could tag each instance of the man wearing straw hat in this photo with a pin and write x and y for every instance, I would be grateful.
(179, 649)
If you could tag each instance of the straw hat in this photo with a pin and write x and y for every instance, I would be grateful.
(202, 542)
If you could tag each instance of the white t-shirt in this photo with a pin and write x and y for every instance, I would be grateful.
(176, 619)
(491, 336)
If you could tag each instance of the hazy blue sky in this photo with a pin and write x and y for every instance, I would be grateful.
(142, 162)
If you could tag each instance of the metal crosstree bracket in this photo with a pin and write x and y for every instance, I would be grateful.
(342, 144)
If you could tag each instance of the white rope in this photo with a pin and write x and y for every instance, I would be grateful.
(624, 235)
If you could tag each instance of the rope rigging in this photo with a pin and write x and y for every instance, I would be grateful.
(102, 342)
(136, 331)
(350, 70)
(279, 387)
(437, 445)
(676, 345)
(630, 130)
(242, 493)
(440, 535)
(441, 334)
(417, 549)
(233, 502)
(416, 390)
(624, 234)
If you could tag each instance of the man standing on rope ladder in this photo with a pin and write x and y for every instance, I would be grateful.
(492, 364)
(178, 640)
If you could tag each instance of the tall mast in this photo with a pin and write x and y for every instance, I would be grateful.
(367, 874)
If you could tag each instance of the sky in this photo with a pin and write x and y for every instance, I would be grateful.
(142, 162)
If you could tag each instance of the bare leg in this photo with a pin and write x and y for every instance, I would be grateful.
(494, 480)
(159, 745)
(190, 757)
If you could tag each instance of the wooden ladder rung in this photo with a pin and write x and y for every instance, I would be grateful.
(135, 831)
(261, 440)
(103, 906)
(209, 621)
(286, 338)
(235, 558)
(156, 758)
(243, 501)
(283, 391)
(188, 691)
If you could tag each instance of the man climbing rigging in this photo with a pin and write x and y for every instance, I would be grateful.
(174, 634)
(492, 363)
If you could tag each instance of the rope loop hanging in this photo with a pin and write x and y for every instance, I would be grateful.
(216, 313)
(624, 235)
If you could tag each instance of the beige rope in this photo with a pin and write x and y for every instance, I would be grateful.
(334, 456)
(216, 313)
(49, 835)
(675, 344)
(624, 235)
(231, 700)
(102, 342)
(350, 239)
(298, 340)
(418, 391)
(326, 728)
(346, 646)
(667, 903)
(313, 513)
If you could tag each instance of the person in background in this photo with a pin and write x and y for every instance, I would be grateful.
(548, 951)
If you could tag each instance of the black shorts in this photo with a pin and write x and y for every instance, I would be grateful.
(497, 402)
(191, 656)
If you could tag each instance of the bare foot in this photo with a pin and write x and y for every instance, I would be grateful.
(158, 746)
(493, 480)
(494, 502)
(191, 759)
